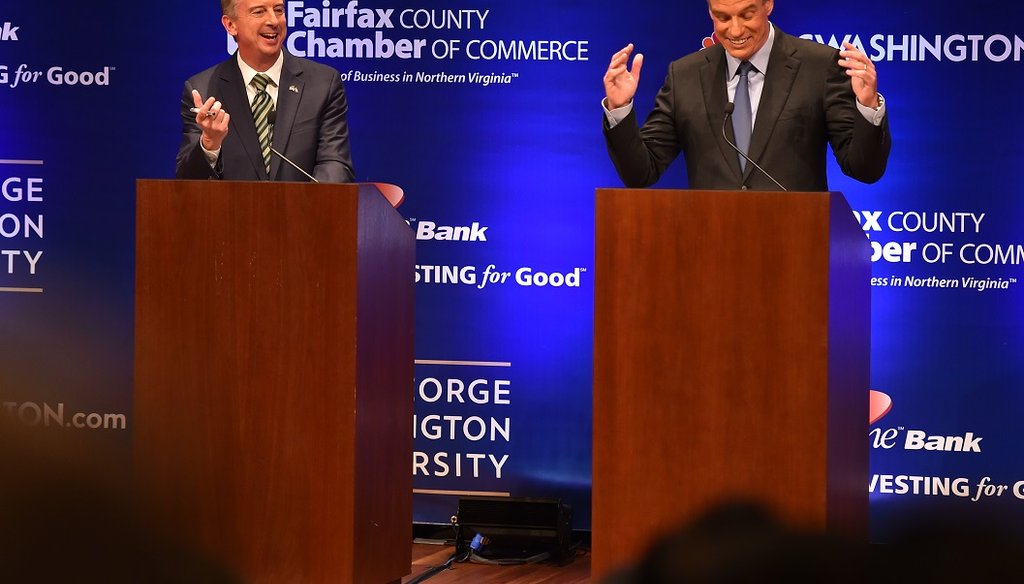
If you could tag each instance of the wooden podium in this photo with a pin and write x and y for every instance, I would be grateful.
(731, 354)
(273, 376)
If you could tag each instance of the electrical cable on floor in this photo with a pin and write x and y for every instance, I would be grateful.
(458, 556)
(475, 558)
(431, 572)
(472, 555)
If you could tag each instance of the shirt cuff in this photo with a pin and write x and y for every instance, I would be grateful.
(211, 155)
(616, 115)
(871, 114)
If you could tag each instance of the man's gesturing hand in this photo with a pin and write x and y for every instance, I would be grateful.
(619, 82)
(212, 120)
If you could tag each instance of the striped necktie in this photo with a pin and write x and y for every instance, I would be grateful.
(742, 117)
(261, 106)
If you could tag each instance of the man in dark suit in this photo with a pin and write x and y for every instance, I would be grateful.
(225, 108)
(804, 97)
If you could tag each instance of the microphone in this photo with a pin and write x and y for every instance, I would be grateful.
(729, 107)
(271, 118)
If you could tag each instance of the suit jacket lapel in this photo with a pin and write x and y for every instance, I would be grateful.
(782, 70)
(236, 103)
(289, 95)
(712, 79)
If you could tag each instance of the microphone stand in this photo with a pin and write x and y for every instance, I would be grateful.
(271, 118)
(729, 107)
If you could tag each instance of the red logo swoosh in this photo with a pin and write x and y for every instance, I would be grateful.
(879, 405)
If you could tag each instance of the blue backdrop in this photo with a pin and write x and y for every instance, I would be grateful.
(494, 128)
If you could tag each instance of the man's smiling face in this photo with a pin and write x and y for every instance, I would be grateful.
(259, 27)
(741, 25)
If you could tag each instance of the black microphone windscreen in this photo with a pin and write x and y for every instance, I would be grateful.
(728, 108)
(272, 116)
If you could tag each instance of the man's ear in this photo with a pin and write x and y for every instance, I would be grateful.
(229, 25)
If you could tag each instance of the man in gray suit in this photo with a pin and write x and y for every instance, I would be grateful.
(803, 97)
(296, 106)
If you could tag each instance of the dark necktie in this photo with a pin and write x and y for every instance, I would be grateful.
(742, 116)
(261, 106)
